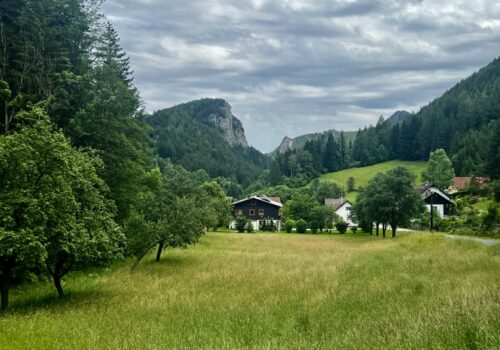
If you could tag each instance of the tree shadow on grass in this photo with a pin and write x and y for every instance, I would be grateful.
(51, 302)
(168, 264)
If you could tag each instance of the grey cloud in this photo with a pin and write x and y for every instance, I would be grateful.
(298, 66)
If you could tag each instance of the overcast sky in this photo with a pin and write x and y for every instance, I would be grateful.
(291, 67)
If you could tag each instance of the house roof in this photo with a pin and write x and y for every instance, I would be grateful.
(461, 182)
(271, 200)
(336, 202)
(430, 190)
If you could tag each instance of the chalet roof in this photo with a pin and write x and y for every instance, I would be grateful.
(336, 203)
(430, 190)
(461, 182)
(271, 200)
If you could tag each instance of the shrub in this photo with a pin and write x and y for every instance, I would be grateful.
(241, 223)
(341, 226)
(354, 229)
(301, 226)
(289, 225)
(314, 227)
(249, 226)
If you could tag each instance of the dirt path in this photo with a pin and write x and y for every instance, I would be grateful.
(487, 241)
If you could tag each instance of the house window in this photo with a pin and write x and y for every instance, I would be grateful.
(253, 203)
(348, 208)
(238, 212)
(261, 212)
(251, 212)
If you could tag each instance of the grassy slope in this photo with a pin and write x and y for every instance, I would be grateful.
(276, 291)
(364, 174)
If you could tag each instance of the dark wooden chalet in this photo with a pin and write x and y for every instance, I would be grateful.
(258, 209)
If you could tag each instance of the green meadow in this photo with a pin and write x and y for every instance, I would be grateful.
(274, 291)
(363, 174)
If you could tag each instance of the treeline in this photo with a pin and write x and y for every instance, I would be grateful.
(80, 182)
(297, 167)
(464, 122)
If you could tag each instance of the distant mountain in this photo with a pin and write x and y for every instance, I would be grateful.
(204, 134)
(398, 117)
(214, 113)
(298, 142)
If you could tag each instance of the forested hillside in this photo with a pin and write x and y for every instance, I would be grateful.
(80, 181)
(464, 122)
(205, 135)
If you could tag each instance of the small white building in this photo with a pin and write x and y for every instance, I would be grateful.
(342, 208)
(435, 198)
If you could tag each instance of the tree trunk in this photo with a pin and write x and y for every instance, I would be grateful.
(57, 283)
(384, 229)
(394, 228)
(160, 249)
(5, 295)
(376, 234)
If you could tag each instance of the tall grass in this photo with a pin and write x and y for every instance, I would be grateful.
(272, 291)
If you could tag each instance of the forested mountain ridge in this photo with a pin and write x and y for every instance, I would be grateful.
(214, 112)
(398, 117)
(464, 121)
(204, 134)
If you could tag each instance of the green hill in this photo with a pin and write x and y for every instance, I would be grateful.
(363, 174)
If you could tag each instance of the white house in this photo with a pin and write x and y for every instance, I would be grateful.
(342, 208)
(436, 198)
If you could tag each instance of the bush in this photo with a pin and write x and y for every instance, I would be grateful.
(341, 226)
(301, 226)
(249, 226)
(314, 227)
(354, 229)
(289, 225)
(241, 223)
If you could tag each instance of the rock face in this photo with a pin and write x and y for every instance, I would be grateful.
(230, 126)
(285, 145)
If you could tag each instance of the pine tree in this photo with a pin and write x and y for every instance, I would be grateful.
(331, 157)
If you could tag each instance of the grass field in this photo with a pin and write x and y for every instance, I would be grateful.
(272, 291)
(363, 174)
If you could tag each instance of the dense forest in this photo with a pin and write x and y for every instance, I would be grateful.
(80, 181)
(464, 122)
(186, 135)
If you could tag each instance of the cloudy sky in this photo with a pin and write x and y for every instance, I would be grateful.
(290, 67)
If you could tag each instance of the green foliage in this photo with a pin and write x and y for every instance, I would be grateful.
(51, 192)
(389, 198)
(439, 170)
(354, 229)
(495, 190)
(215, 206)
(462, 122)
(299, 207)
(289, 225)
(324, 190)
(301, 226)
(351, 182)
(321, 216)
(241, 223)
(185, 135)
(341, 226)
(249, 226)
(491, 218)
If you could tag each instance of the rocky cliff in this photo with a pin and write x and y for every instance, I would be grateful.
(230, 126)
